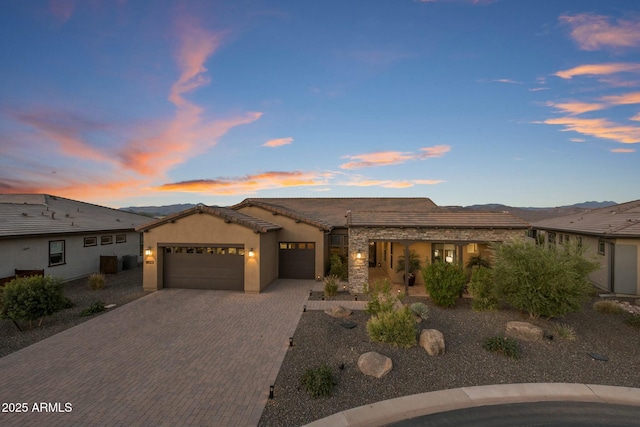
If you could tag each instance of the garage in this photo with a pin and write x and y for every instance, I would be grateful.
(297, 260)
(204, 267)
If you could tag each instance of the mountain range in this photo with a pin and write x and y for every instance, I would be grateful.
(529, 214)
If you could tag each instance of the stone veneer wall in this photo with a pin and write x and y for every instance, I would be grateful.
(359, 238)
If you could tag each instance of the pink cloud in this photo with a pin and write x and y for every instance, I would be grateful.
(390, 183)
(575, 108)
(625, 99)
(509, 81)
(386, 158)
(623, 150)
(635, 118)
(249, 183)
(599, 128)
(278, 142)
(599, 69)
(594, 32)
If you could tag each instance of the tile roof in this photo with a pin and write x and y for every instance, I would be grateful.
(229, 215)
(621, 220)
(328, 212)
(436, 218)
(43, 214)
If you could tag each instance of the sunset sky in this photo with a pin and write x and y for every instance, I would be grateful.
(123, 102)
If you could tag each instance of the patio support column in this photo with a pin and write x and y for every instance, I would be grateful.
(406, 268)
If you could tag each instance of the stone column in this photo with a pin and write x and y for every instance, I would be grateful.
(358, 267)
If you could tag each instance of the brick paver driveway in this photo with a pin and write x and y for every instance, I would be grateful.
(177, 357)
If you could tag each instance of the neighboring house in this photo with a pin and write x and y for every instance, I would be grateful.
(609, 235)
(64, 238)
(247, 246)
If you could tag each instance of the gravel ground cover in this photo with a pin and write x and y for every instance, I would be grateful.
(120, 289)
(320, 339)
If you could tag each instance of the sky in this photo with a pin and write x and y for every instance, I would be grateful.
(134, 103)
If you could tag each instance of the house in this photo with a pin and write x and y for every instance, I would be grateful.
(609, 235)
(247, 246)
(64, 238)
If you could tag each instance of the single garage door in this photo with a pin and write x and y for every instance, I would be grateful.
(297, 260)
(204, 267)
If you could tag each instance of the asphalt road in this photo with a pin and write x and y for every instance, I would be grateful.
(560, 414)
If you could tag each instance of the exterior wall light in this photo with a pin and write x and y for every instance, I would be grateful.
(359, 255)
(148, 251)
(251, 253)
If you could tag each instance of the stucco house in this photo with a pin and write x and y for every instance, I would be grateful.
(247, 246)
(62, 237)
(610, 235)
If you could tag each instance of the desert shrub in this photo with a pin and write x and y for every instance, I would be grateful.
(66, 303)
(481, 289)
(633, 320)
(419, 309)
(331, 285)
(31, 298)
(607, 306)
(97, 281)
(94, 308)
(380, 298)
(565, 331)
(414, 262)
(542, 281)
(504, 345)
(318, 382)
(444, 282)
(478, 261)
(395, 327)
(338, 267)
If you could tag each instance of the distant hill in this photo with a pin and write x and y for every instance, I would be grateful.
(158, 211)
(530, 214)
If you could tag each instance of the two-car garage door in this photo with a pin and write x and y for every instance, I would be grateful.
(204, 267)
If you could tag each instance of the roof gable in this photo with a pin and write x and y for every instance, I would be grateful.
(622, 220)
(228, 215)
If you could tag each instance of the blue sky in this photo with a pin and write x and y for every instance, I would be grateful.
(120, 103)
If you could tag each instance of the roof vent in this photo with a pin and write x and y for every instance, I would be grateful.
(25, 214)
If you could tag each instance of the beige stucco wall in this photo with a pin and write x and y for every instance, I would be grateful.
(293, 231)
(635, 242)
(203, 229)
(269, 259)
(359, 238)
(33, 254)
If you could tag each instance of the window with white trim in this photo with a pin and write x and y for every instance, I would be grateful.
(56, 252)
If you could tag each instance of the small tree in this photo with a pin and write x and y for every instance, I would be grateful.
(444, 282)
(31, 298)
(542, 281)
(338, 267)
(482, 290)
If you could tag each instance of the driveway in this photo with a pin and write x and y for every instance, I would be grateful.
(175, 357)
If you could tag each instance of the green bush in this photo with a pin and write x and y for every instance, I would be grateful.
(97, 281)
(331, 285)
(31, 298)
(542, 281)
(420, 310)
(478, 261)
(66, 303)
(607, 306)
(380, 298)
(481, 289)
(633, 320)
(338, 267)
(395, 327)
(318, 382)
(94, 308)
(444, 282)
(504, 345)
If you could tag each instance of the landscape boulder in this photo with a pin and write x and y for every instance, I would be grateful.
(432, 340)
(338, 311)
(374, 364)
(524, 331)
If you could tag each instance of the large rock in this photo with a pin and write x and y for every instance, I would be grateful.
(338, 311)
(524, 331)
(432, 340)
(374, 364)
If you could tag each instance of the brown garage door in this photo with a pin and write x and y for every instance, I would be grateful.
(297, 260)
(198, 267)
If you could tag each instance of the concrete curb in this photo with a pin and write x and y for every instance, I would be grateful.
(401, 408)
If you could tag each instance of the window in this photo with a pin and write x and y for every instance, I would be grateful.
(601, 247)
(560, 239)
(472, 248)
(56, 252)
(90, 241)
(121, 238)
(551, 238)
(339, 244)
(579, 240)
(106, 240)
